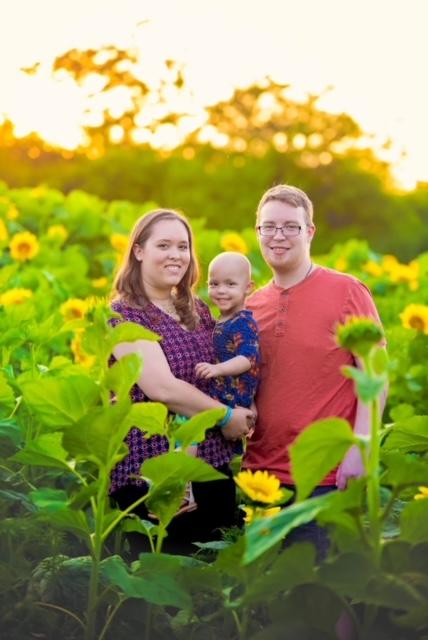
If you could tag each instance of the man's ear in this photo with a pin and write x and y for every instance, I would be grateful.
(311, 232)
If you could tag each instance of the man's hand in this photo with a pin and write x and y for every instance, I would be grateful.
(207, 370)
(351, 467)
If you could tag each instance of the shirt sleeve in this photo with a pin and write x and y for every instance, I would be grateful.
(360, 303)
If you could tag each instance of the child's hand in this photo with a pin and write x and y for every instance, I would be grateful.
(206, 370)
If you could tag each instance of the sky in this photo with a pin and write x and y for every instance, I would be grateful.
(372, 54)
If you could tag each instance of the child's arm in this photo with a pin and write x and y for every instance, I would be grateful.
(233, 367)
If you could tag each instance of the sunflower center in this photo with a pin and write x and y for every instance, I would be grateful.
(416, 322)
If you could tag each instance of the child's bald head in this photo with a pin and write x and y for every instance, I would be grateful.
(233, 263)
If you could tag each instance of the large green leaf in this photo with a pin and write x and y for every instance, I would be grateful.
(99, 435)
(130, 332)
(60, 402)
(312, 609)
(410, 434)
(161, 588)
(177, 466)
(69, 520)
(414, 521)
(262, 534)
(404, 470)
(348, 574)
(45, 451)
(123, 374)
(150, 417)
(193, 430)
(293, 566)
(49, 499)
(317, 450)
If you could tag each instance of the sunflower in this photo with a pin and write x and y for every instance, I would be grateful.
(232, 241)
(119, 242)
(24, 246)
(359, 335)
(80, 355)
(423, 493)
(58, 232)
(252, 513)
(15, 296)
(74, 309)
(260, 486)
(415, 316)
(405, 274)
(4, 234)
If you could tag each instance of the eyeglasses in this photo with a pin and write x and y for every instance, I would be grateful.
(269, 230)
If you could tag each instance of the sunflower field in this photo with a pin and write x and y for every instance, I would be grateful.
(65, 568)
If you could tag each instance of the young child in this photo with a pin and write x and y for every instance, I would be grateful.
(236, 343)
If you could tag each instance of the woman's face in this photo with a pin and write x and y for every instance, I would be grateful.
(165, 256)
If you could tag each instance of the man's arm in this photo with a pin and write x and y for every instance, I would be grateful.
(352, 464)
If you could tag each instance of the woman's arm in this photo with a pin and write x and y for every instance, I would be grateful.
(160, 385)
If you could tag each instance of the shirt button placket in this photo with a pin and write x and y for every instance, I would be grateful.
(281, 314)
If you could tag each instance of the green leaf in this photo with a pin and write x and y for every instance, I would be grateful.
(409, 435)
(150, 417)
(403, 470)
(414, 521)
(130, 332)
(80, 499)
(69, 520)
(348, 574)
(99, 435)
(193, 430)
(161, 589)
(310, 611)
(368, 386)
(10, 429)
(49, 499)
(45, 451)
(177, 466)
(293, 566)
(7, 398)
(401, 412)
(164, 500)
(262, 534)
(134, 523)
(60, 402)
(123, 374)
(317, 450)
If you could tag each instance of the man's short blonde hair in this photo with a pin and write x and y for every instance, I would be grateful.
(289, 195)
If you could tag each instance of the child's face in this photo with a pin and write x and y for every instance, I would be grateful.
(228, 288)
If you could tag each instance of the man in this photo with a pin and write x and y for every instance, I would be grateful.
(297, 314)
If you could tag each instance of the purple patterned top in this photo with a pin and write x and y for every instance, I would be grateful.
(183, 350)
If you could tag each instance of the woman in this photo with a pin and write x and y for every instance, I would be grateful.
(154, 288)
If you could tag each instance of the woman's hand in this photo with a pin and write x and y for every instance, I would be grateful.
(240, 424)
